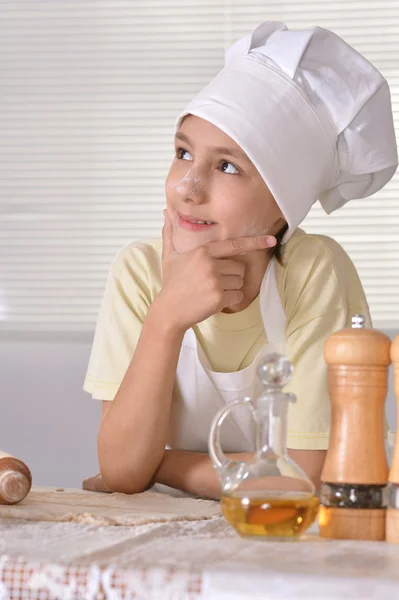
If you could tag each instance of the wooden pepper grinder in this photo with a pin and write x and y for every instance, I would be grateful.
(353, 494)
(392, 523)
(15, 479)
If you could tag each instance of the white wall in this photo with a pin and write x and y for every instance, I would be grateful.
(46, 418)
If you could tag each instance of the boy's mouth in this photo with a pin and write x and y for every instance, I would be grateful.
(191, 223)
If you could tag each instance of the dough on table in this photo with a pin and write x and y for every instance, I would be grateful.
(81, 506)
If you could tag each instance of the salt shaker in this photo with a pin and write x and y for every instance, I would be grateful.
(353, 494)
(15, 479)
(392, 521)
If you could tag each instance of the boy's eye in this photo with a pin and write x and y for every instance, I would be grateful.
(183, 154)
(229, 168)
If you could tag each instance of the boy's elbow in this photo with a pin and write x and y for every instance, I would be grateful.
(122, 477)
(124, 482)
(133, 477)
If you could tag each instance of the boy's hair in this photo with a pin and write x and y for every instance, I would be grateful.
(277, 251)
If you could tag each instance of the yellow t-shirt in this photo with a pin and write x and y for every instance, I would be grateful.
(232, 341)
(320, 292)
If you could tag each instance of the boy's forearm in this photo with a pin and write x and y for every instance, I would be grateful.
(191, 472)
(312, 462)
(133, 432)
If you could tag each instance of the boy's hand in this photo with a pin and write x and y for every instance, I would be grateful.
(203, 281)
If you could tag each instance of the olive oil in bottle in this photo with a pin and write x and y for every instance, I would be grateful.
(273, 517)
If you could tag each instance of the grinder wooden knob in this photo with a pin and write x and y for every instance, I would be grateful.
(392, 524)
(355, 472)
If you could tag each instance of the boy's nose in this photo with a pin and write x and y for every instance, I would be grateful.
(193, 190)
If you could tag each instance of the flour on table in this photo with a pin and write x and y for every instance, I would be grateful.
(88, 508)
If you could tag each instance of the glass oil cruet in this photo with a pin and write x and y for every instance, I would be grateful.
(269, 496)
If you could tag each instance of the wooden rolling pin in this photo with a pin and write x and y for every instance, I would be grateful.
(392, 524)
(353, 494)
(15, 479)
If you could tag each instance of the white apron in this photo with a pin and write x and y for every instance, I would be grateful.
(200, 392)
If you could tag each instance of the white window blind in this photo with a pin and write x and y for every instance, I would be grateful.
(89, 94)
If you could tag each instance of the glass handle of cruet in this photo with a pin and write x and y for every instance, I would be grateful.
(219, 459)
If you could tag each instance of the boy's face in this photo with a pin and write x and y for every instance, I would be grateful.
(212, 180)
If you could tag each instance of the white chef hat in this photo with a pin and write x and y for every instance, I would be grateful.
(311, 113)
